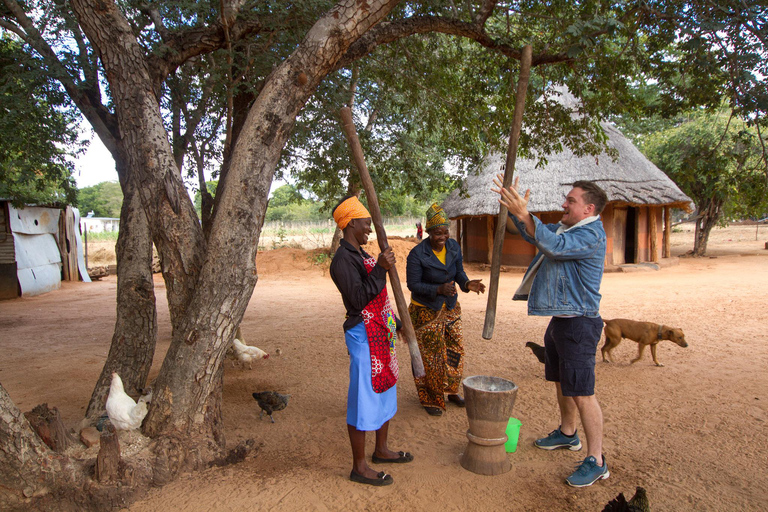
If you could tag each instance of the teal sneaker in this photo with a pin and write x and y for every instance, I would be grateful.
(557, 439)
(588, 472)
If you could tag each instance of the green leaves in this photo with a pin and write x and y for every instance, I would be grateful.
(104, 200)
(38, 132)
(715, 159)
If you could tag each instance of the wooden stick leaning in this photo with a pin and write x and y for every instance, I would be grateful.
(348, 125)
(498, 238)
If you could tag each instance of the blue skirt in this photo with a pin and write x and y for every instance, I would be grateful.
(366, 409)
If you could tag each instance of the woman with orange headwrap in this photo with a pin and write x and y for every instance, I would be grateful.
(369, 331)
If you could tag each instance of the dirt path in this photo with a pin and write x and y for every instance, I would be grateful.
(692, 433)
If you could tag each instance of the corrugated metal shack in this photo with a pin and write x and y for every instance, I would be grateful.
(38, 248)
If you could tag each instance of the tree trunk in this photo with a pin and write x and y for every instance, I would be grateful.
(135, 336)
(27, 466)
(208, 293)
(708, 218)
(173, 222)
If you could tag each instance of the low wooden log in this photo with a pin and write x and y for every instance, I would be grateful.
(108, 459)
(48, 425)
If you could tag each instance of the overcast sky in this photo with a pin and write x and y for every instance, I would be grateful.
(95, 166)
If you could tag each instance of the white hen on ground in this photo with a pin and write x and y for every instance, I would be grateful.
(247, 353)
(123, 411)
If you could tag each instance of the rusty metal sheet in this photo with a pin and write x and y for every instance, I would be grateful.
(34, 220)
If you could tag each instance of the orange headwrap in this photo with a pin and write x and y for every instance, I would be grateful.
(350, 209)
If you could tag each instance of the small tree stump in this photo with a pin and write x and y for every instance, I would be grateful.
(108, 459)
(48, 425)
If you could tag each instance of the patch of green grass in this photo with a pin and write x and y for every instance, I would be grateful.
(102, 236)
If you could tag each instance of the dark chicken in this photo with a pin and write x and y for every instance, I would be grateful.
(271, 401)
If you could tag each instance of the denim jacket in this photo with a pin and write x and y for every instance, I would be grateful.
(568, 279)
(424, 273)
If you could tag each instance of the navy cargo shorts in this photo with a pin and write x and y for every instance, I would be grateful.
(570, 345)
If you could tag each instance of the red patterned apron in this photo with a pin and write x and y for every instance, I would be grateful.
(379, 323)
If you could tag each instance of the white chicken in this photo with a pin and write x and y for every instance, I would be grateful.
(123, 411)
(246, 353)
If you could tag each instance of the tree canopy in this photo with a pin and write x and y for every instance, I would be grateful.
(716, 160)
(38, 132)
(103, 199)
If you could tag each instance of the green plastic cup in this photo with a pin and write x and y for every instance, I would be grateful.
(513, 432)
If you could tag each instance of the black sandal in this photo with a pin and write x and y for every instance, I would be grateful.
(434, 411)
(403, 457)
(456, 399)
(381, 479)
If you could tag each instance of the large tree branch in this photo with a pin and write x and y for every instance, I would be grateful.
(100, 118)
(182, 46)
(387, 32)
(485, 11)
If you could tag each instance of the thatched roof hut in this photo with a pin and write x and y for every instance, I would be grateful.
(639, 195)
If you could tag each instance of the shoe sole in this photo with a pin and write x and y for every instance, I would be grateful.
(573, 448)
(601, 477)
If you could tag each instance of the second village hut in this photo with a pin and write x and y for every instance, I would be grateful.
(636, 218)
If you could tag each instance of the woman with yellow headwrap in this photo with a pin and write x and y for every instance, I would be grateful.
(433, 270)
(369, 331)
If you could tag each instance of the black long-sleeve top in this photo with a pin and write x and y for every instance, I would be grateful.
(425, 273)
(357, 286)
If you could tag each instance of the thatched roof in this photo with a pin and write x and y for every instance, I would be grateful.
(631, 179)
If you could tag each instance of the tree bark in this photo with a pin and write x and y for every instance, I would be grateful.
(46, 422)
(135, 335)
(708, 218)
(27, 466)
(108, 459)
(173, 223)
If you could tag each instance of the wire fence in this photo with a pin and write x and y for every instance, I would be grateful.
(299, 234)
(318, 234)
(299, 227)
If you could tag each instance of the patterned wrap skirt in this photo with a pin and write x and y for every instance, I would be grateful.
(366, 409)
(441, 342)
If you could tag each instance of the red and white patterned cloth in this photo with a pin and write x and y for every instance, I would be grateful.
(379, 320)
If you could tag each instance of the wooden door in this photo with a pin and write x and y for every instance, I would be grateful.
(619, 235)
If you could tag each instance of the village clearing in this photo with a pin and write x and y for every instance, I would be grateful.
(692, 433)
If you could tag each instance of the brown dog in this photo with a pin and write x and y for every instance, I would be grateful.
(644, 333)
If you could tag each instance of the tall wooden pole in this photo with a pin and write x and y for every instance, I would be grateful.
(498, 239)
(373, 203)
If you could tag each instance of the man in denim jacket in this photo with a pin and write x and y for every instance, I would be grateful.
(563, 281)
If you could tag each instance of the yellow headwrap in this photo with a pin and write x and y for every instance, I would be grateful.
(350, 209)
(436, 217)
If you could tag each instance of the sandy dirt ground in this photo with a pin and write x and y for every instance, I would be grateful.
(693, 432)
